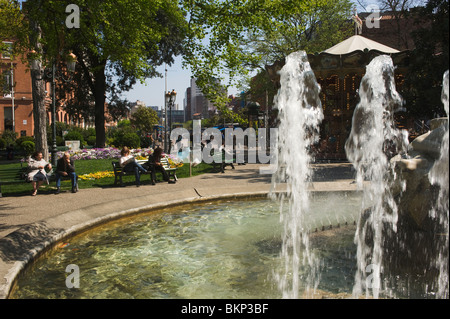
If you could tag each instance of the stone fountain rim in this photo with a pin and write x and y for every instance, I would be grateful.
(33, 253)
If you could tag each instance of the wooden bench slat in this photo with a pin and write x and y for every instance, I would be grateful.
(11, 176)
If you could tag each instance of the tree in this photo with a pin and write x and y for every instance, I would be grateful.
(236, 37)
(144, 119)
(26, 35)
(118, 42)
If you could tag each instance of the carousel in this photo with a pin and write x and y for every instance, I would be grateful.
(339, 71)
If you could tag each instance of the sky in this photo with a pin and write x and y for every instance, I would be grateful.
(152, 91)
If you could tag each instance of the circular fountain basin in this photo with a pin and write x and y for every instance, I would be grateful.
(221, 249)
(215, 250)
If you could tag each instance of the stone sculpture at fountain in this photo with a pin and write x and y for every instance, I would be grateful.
(423, 204)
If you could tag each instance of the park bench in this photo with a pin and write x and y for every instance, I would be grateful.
(171, 171)
(119, 173)
(19, 175)
(12, 176)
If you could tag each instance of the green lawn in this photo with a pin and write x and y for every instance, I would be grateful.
(93, 166)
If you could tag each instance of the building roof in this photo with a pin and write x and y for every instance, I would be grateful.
(358, 42)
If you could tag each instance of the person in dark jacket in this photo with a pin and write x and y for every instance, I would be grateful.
(154, 163)
(65, 167)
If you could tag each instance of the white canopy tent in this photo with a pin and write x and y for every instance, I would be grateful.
(358, 42)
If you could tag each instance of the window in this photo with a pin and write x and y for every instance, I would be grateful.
(7, 115)
(6, 49)
(5, 82)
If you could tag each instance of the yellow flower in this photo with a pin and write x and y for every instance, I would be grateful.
(97, 175)
(174, 164)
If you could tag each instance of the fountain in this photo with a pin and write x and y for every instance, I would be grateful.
(372, 140)
(439, 176)
(300, 115)
(404, 234)
(228, 249)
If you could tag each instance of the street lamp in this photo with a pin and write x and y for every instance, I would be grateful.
(170, 101)
(51, 74)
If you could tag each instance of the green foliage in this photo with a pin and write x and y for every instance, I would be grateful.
(125, 136)
(89, 133)
(144, 119)
(131, 140)
(123, 123)
(13, 25)
(74, 136)
(59, 141)
(9, 136)
(236, 37)
(91, 140)
(146, 141)
(22, 139)
(60, 128)
(118, 43)
(2, 143)
(28, 147)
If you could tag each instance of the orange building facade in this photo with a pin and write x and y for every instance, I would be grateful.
(16, 90)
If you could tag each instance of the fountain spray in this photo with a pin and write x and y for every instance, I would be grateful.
(300, 115)
(439, 176)
(372, 141)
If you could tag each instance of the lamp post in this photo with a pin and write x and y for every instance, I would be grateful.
(170, 101)
(51, 74)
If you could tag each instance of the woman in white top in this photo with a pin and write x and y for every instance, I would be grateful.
(37, 174)
(129, 164)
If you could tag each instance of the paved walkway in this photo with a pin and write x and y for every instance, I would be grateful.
(28, 224)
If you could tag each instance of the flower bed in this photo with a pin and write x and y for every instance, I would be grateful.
(104, 153)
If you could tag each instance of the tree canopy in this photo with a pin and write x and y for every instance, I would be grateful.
(120, 42)
(117, 43)
(143, 119)
(236, 38)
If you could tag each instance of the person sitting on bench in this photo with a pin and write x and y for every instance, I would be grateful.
(65, 167)
(154, 163)
(129, 164)
(37, 174)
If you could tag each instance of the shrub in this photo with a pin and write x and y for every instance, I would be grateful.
(74, 136)
(91, 140)
(28, 147)
(2, 143)
(59, 141)
(87, 133)
(22, 139)
(9, 136)
(131, 140)
(146, 141)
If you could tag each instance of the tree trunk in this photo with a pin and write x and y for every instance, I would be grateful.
(38, 92)
(99, 92)
(39, 114)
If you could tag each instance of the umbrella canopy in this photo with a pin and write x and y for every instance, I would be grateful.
(358, 42)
